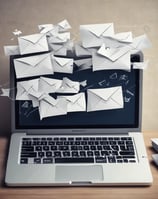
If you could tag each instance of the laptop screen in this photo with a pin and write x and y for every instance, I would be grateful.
(95, 110)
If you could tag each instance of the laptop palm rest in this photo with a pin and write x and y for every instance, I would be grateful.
(76, 174)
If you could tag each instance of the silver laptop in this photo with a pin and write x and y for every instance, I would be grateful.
(84, 148)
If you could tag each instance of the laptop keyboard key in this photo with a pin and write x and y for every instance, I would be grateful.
(29, 154)
(100, 160)
(111, 159)
(47, 160)
(74, 160)
(37, 160)
(23, 160)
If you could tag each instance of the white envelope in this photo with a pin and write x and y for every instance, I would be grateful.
(23, 88)
(61, 49)
(125, 37)
(33, 43)
(102, 63)
(49, 85)
(113, 53)
(76, 103)
(92, 35)
(105, 99)
(62, 65)
(69, 86)
(84, 64)
(64, 25)
(36, 96)
(141, 42)
(81, 51)
(49, 107)
(33, 66)
(45, 28)
(11, 50)
(59, 38)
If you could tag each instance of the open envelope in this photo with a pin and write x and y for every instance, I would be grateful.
(62, 65)
(49, 107)
(33, 66)
(76, 103)
(49, 85)
(92, 35)
(23, 88)
(33, 43)
(105, 99)
(84, 64)
(11, 50)
(102, 63)
(113, 53)
(69, 86)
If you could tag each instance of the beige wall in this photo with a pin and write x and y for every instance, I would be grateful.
(138, 16)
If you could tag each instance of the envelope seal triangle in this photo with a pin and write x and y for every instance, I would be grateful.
(98, 29)
(33, 38)
(62, 61)
(106, 94)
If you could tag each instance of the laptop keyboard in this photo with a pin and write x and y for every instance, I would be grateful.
(58, 150)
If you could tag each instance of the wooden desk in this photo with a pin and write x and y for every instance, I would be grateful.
(80, 192)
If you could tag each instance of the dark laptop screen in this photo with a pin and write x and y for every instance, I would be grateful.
(27, 117)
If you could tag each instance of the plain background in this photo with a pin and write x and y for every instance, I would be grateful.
(138, 16)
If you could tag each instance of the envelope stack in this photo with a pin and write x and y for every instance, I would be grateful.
(52, 38)
(110, 50)
(100, 48)
(38, 90)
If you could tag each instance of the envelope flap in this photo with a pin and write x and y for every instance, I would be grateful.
(50, 100)
(64, 24)
(106, 52)
(113, 53)
(69, 83)
(62, 61)
(124, 37)
(74, 98)
(32, 60)
(98, 29)
(32, 38)
(104, 93)
(50, 81)
(35, 94)
(29, 84)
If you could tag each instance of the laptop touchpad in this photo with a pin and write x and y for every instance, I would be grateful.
(79, 174)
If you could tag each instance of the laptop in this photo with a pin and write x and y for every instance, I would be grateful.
(83, 148)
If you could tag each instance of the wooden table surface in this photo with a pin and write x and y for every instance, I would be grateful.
(80, 192)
